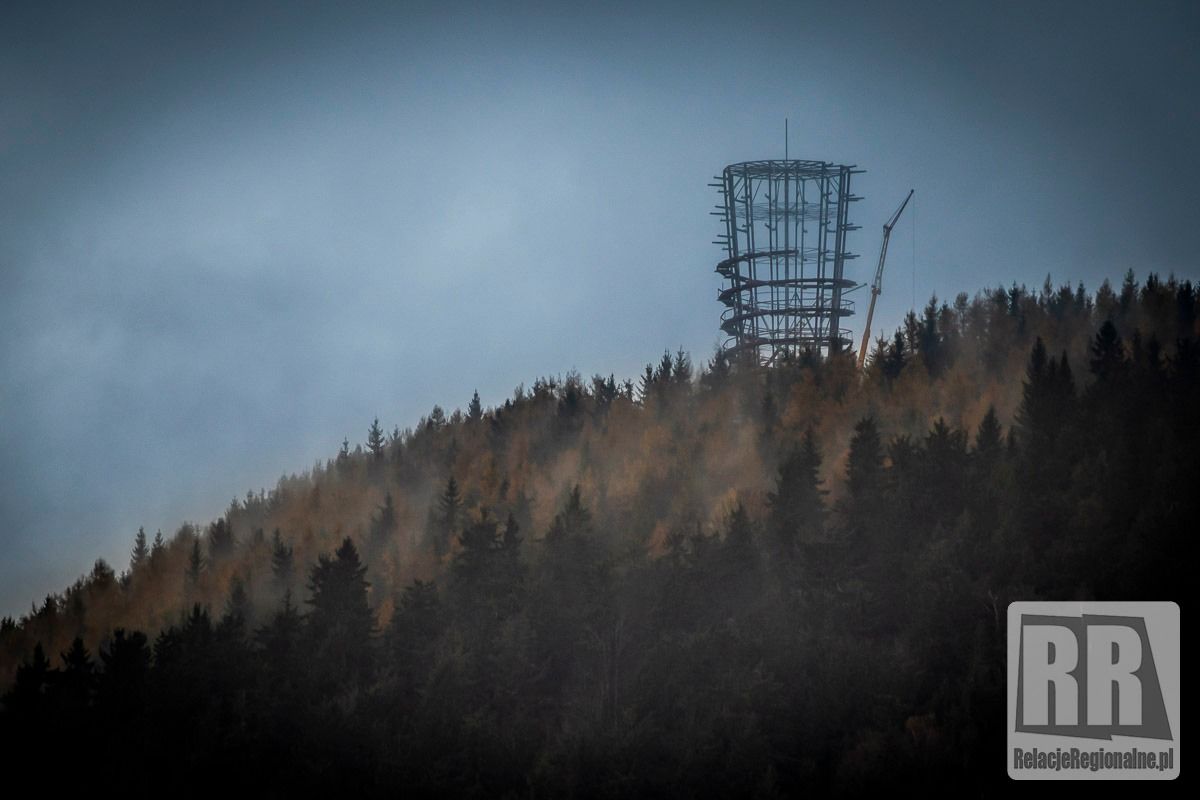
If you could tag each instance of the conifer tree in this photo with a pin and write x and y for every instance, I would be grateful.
(574, 520)
(376, 442)
(238, 609)
(1033, 391)
(78, 680)
(510, 539)
(895, 359)
(646, 385)
(121, 693)
(343, 462)
(27, 697)
(384, 526)
(220, 539)
(942, 472)
(681, 368)
(864, 464)
(741, 553)
(1047, 406)
(280, 643)
(929, 339)
(719, 369)
(158, 550)
(604, 391)
(797, 508)
(989, 437)
(570, 593)
(475, 568)
(1107, 353)
(413, 632)
(665, 368)
(140, 552)
(195, 563)
(341, 621)
(281, 562)
(447, 520)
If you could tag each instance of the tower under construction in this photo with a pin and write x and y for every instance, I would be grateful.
(785, 225)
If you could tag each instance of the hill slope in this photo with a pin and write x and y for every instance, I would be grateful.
(711, 581)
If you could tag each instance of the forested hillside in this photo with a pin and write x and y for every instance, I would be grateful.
(712, 579)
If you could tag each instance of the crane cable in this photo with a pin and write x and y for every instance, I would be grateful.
(914, 257)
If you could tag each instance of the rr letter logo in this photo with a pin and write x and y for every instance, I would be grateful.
(1093, 671)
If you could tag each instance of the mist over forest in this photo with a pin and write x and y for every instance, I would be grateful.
(708, 579)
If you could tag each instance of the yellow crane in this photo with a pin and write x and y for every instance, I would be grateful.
(877, 284)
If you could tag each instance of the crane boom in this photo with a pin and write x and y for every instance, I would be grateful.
(877, 284)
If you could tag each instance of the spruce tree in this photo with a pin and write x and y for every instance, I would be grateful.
(864, 464)
(1033, 414)
(1107, 353)
(570, 593)
(121, 693)
(740, 551)
(474, 569)
(646, 385)
(796, 506)
(717, 375)
(27, 697)
(280, 643)
(281, 562)
(413, 633)
(510, 539)
(895, 358)
(384, 526)
(140, 552)
(448, 517)
(78, 680)
(681, 368)
(237, 607)
(665, 368)
(574, 519)
(158, 550)
(341, 621)
(195, 564)
(989, 437)
(942, 473)
(220, 539)
(376, 442)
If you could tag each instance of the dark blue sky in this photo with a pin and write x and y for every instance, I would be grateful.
(231, 236)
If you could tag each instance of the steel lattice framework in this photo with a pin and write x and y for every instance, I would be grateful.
(785, 240)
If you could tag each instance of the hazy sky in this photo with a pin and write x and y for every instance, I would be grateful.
(229, 237)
